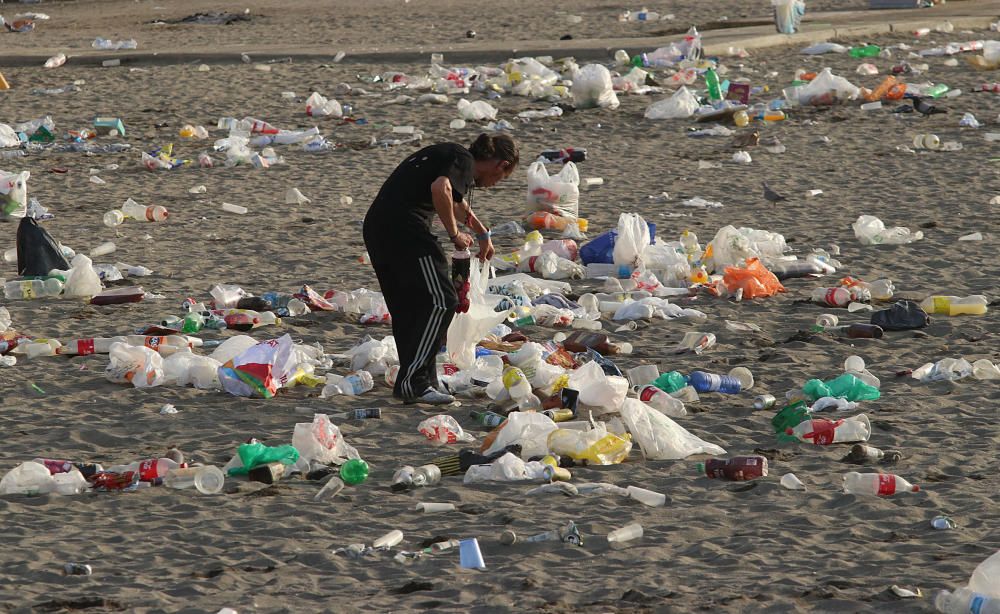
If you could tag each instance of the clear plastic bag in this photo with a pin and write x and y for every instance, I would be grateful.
(443, 429)
(82, 281)
(28, 478)
(592, 87)
(870, 230)
(185, 367)
(558, 194)
(322, 441)
(260, 370)
(8, 137)
(828, 88)
(680, 105)
(602, 392)
(507, 468)
(469, 328)
(529, 429)
(659, 437)
(632, 240)
(138, 365)
(319, 106)
(596, 446)
(476, 111)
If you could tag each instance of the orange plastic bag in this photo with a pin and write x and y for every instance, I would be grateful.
(755, 280)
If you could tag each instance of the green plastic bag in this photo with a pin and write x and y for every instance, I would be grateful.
(846, 386)
(256, 454)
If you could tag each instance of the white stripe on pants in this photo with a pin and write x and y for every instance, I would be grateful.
(429, 339)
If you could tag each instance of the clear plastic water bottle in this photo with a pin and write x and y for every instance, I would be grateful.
(357, 383)
(713, 382)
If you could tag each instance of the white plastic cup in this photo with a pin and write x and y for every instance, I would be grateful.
(827, 320)
(10, 255)
(390, 539)
(647, 497)
(209, 480)
(231, 208)
(744, 376)
(332, 487)
(108, 247)
(434, 508)
(626, 533)
(854, 364)
(642, 375)
(792, 482)
(113, 218)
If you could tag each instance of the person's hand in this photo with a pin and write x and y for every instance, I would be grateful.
(485, 250)
(462, 241)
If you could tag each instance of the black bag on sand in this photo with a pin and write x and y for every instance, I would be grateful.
(37, 252)
(904, 315)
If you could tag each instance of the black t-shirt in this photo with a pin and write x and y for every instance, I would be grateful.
(405, 196)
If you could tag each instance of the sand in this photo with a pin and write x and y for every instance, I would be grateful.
(715, 546)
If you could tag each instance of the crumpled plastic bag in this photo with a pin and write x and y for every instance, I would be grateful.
(754, 279)
(185, 367)
(599, 391)
(476, 111)
(687, 48)
(322, 441)
(948, 369)
(14, 193)
(679, 106)
(870, 230)
(508, 468)
(373, 355)
(592, 87)
(252, 455)
(659, 437)
(82, 281)
(319, 106)
(827, 89)
(632, 239)
(28, 478)
(260, 370)
(469, 328)
(558, 194)
(37, 251)
(596, 446)
(529, 429)
(8, 137)
(443, 429)
(732, 247)
(903, 315)
(135, 364)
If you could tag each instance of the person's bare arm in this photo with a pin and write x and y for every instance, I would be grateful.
(444, 203)
(464, 212)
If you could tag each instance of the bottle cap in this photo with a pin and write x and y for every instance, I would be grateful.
(915, 488)
(700, 467)
(789, 431)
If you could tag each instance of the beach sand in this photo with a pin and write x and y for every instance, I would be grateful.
(715, 546)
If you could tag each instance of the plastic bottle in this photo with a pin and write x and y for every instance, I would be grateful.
(600, 269)
(426, 475)
(32, 288)
(208, 480)
(402, 479)
(582, 340)
(737, 468)
(149, 469)
(877, 484)
(713, 382)
(86, 347)
(832, 297)
(954, 305)
(356, 383)
(966, 601)
(661, 401)
(155, 213)
(823, 432)
(866, 51)
(354, 471)
(487, 418)
(626, 533)
(516, 383)
(713, 85)
(570, 154)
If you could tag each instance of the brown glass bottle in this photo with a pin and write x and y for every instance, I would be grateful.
(737, 468)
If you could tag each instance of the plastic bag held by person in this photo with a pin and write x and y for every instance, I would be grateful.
(659, 437)
(558, 194)
(469, 328)
(592, 87)
(322, 441)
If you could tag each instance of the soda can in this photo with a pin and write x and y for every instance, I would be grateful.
(77, 569)
(764, 401)
(365, 413)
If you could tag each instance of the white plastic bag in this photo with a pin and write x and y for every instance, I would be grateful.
(601, 392)
(592, 87)
(82, 280)
(135, 364)
(632, 239)
(443, 429)
(318, 105)
(185, 367)
(682, 104)
(870, 230)
(688, 48)
(985, 579)
(28, 478)
(8, 138)
(660, 437)
(469, 328)
(827, 88)
(559, 194)
(14, 193)
(322, 441)
(530, 429)
(732, 247)
(476, 111)
(260, 370)
(507, 468)
(233, 347)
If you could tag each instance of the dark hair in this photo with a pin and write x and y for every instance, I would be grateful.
(495, 147)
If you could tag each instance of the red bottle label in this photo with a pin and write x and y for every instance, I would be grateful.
(831, 297)
(531, 264)
(648, 393)
(886, 484)
(56, 466)
(823, 431)
(147, 470)
(154, 343)
(85, 347)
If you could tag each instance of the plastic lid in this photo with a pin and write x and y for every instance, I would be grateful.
(209, 480)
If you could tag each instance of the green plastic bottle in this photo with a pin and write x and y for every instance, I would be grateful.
(937, 91)
(790, 416)
(846, 386)
(868, 51)
(487, 418)
(712, 82)
(670, 382)
(193, 322)
(354, 471)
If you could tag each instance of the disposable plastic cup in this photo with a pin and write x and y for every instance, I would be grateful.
(642, 375)
(647, 497)
(744, 376)
(854, 364)
(626, 533)
(330, 490)
(931, 141)
(433, 508)
(209, 480)
(469, 554)
(827, 320)
(390, 539)
(231, 208)
(103, 249)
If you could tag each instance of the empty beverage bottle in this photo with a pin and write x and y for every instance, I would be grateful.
(823, 432)
(570, 154)
(581, 341)
(877, 484)
(32, 288)
(853, 331)
(134, 210)
(713, 382)
(208, 480)
(832, 297)
(737, 468)
(955, 306)
(487, 418)
(966, 601)
(148, 470)
(661, 401)
(713, 84)
(865, 51)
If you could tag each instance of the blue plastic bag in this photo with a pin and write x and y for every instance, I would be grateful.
(601, 248)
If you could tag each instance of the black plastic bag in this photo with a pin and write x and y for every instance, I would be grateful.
(903, 315)
(37, 252)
